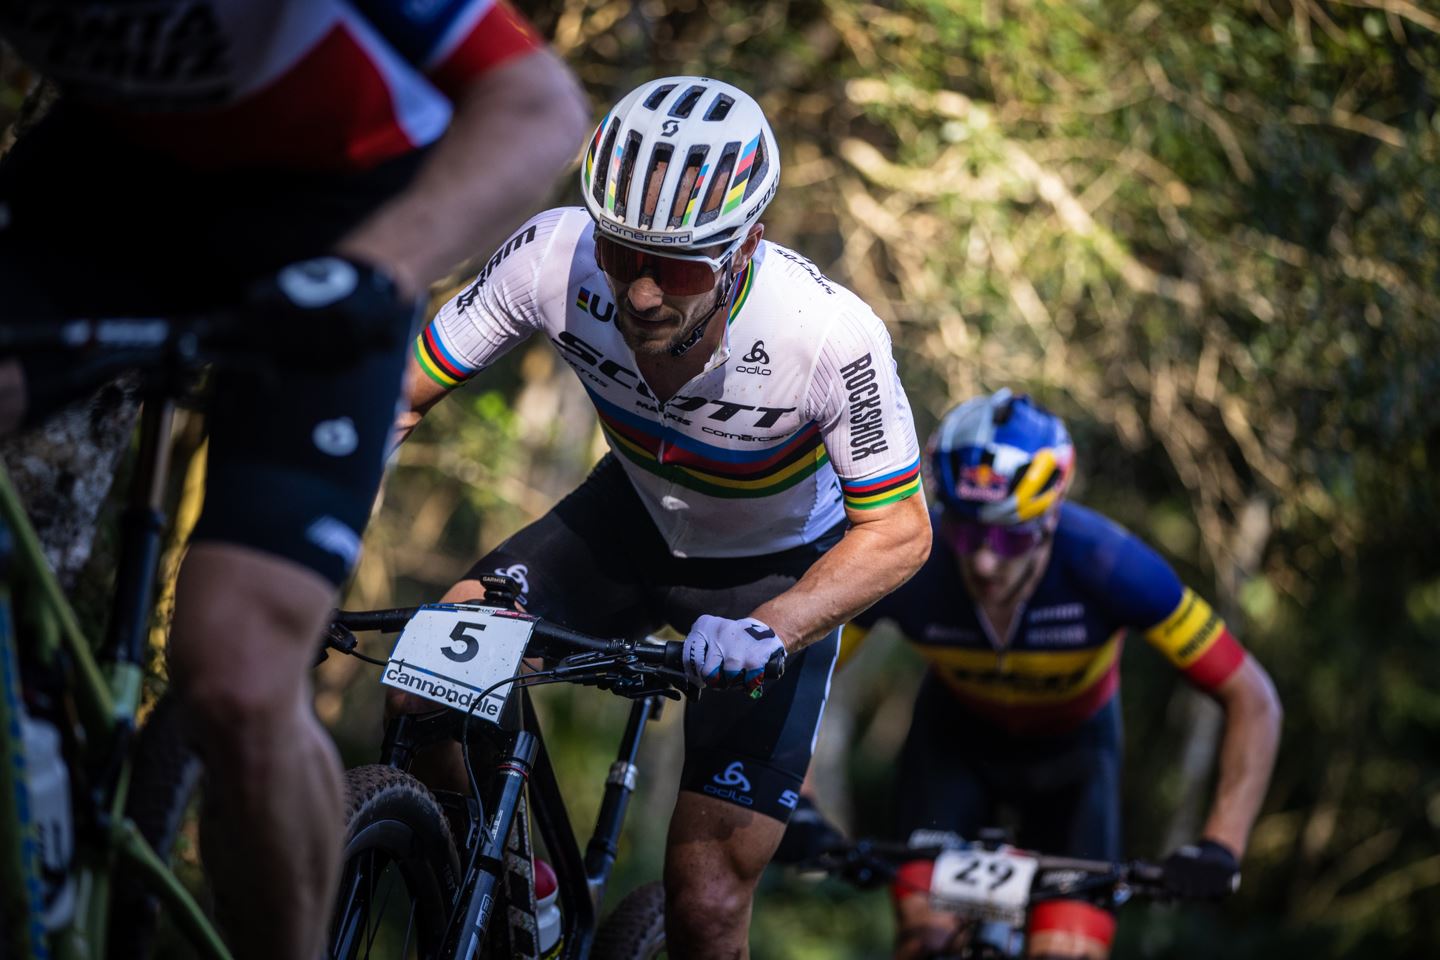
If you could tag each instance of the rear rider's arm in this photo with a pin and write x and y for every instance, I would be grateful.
(514, 130)
(882, 549)
(1247, 753)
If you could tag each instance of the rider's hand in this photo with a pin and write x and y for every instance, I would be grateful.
(807, 835)
(332, 309)
(1202, 871)
(730, 653)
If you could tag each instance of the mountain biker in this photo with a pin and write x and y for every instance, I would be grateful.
(762, 483)
(1021, 614)
(316, 164)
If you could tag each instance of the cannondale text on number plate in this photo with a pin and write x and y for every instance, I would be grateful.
(451, 653)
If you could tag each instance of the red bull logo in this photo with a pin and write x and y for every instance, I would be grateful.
(981, 483)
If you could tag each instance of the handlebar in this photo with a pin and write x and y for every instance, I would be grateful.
(553, 639)
(589, 656)
(869, 863)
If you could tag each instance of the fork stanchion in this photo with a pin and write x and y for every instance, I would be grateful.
(604, 844)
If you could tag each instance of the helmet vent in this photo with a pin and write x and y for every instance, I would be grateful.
(719, 184)
(653, 101)
(602, 163)
(654, 180)
(689, 185)
(1003, 412)
(687, 102)
(627, 168)
(720, 109)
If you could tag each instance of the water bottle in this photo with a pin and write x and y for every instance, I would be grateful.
(547, 910)
(50, 816)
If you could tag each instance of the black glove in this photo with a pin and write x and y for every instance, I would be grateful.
(807, 835)
(1202, 871)
(331, 310)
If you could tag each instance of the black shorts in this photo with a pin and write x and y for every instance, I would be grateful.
(957, 772)
(596, 563)
(90, 227)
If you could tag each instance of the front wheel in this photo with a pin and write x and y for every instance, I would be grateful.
(635, 929)
(400, 869)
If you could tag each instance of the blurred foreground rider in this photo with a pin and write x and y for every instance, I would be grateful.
(317, 163)
(763, 479)
(1021, 611)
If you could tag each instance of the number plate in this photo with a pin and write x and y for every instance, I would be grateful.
(453, 652)
(989, 884)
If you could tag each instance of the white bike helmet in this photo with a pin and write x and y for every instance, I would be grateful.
(707, 144)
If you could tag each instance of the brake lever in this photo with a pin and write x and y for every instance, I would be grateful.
(336, 638)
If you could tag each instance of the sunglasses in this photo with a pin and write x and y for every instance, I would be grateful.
(967, 536)
(678, 274)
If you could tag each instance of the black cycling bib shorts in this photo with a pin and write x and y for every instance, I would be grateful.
(596, 563)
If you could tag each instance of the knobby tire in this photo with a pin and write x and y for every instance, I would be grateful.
(395, 834)
(635, 929)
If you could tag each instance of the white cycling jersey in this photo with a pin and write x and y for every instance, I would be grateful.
(798, 414)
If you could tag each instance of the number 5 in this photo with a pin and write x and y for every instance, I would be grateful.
(469, 646)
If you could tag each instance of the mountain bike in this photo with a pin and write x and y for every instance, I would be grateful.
(991, 883)
(405, 845)
(61, 846)
(86, 818)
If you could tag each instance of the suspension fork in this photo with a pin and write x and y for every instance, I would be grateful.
(604, 843)
(511, 773)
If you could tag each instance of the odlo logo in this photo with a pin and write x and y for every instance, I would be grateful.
(757, 355)
(723, 785)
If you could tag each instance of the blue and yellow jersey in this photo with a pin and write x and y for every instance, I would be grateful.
(1062, 662)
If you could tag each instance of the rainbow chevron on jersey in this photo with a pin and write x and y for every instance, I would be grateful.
(716, 471)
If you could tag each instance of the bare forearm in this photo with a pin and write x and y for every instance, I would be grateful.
(513, 133)
(1247, 755)
(872, 559)
(421, 393)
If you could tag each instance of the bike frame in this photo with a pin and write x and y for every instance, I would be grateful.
(520, 757)
(102, 693)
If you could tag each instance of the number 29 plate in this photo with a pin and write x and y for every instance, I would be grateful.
(453, 652)
(989, 884)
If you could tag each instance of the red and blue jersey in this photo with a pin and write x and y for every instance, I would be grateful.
(1062, 662)
(278, 84)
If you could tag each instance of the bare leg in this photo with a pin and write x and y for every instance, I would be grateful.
(921, 932)
(246, 630)
(714, 856)
(1069, 930)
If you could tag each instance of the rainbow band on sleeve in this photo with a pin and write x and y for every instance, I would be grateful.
(440, 363)
(878, 491)
(1196, 640)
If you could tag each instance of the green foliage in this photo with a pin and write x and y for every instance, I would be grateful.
(1209, 235)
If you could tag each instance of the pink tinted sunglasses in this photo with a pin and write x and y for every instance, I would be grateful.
(967, 536)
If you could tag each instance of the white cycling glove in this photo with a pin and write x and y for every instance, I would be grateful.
(729, 653)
